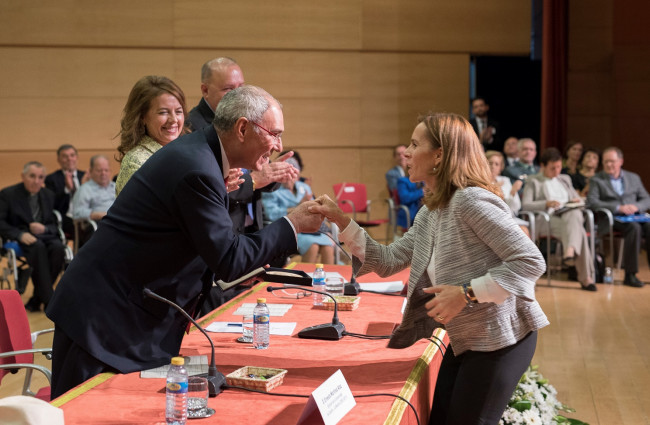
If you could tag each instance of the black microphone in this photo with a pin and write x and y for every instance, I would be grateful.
(329, 331)
(216, 379)
(351, 287)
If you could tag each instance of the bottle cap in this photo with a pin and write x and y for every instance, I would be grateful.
(178, 361)
(319, 265)
(261, 300)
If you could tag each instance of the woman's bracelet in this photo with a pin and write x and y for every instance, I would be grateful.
(468, 293)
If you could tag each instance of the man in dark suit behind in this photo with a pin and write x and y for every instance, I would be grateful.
(170, 218)
(623, 193)
(486, 129)
(64, 183)
(26, 215)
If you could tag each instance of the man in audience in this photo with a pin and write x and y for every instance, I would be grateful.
(64, 183)
(26, 215)
(623, 193)
(511, 151)
(525, 165)
(94, 198)
(164, 227)
(399, 170)
(486, 129)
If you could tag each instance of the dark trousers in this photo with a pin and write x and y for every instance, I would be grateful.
(45, 257)
(71, 364)
(475, 387)
(632, 234)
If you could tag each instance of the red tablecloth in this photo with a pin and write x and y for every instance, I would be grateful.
(367, 365)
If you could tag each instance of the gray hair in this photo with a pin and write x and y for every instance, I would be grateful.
(95, 158)
(34, 163)
(213, 65)
(520, 142)
(615, 149)
(250, 102)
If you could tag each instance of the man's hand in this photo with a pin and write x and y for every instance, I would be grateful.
(276, 171)
(486, 135)
(303, 220)
(27, 238)
(628, 209)
(515, 187)
(85, 178)
(36, 228)
(69, 180)
(234, 180)
(328, 208)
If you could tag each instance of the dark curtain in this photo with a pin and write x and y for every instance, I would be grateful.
(554, 74)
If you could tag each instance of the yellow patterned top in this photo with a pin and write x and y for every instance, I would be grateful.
(134, 159)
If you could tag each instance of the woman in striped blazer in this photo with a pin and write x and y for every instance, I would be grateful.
(473, 272)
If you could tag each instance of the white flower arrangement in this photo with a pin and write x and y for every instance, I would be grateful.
(534, 402)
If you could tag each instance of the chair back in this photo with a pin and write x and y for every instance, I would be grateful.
(15, 246)
(351, 197)
(15, 333)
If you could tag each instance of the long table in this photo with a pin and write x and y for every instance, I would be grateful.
(367, 365)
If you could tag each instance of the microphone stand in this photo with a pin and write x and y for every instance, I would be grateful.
(216, 379)
(351, 287)
(328, 331)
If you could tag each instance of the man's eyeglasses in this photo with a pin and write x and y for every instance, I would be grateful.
(276, 136)
(291, 293)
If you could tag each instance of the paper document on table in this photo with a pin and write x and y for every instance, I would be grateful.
(195, 365)
(384, 287)
(277, 328)
(274, 309)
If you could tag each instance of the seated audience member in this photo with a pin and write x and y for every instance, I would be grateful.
(588, 166)
(26, 215)
(153, 116)
(510, 191)
(94, 198)
(525, 166)
(64, 183)
(511, 151)
(572, 155)
(399, 170)
(623, 193)
(291, 194)
(410, 195)
(549, 191)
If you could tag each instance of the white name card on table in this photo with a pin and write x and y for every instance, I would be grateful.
(383, 287)
(328, 403)
(276, 328)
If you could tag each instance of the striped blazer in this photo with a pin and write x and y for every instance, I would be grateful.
(473, 235)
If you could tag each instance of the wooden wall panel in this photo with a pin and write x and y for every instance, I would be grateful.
(87, 23)
(280, 24)
(589, 93)
(460, 26)
(592, 130)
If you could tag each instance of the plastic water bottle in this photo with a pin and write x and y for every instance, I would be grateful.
(261, 324)
(176, 409)
(608, 278)
(318, 283)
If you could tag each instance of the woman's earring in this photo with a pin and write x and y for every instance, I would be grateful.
(434, 169)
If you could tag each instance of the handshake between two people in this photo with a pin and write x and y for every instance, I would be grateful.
(308, 216)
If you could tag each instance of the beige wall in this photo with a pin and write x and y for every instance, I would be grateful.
(352, 75)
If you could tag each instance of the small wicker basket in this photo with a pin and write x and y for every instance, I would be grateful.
(265, 379)
(345, 303)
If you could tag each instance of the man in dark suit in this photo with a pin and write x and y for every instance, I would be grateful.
(26, 215)
(486, 129)
(64, 183)
(170, 218)
(623, 193)
(218, 77)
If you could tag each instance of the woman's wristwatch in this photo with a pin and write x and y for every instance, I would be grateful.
(468, 293)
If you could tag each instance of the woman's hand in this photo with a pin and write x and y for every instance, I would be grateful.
(552, 204)
(448, 302)
(328, 208)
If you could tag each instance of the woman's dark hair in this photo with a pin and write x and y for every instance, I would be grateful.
(592, 150)
(550, 155)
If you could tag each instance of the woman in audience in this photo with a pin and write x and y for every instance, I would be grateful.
(572, 156)
(410, 195)
(465, 249)
(549, 191)
(153, 116)
(510, 191)
(589, 166)
(289, 195)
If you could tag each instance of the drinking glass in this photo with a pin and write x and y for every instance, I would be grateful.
(247, 328)
(197, 397)
(334, 286)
